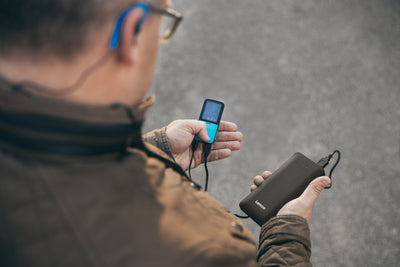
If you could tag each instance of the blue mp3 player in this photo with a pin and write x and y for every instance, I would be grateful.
(211, 114)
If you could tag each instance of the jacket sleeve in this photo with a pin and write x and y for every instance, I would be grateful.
(159, 139)
(285, 241)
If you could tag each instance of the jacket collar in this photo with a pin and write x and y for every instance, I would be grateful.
(53, 129)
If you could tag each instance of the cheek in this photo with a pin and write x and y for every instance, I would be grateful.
(146, 55)
(146, 63)
(148, 58)
(150, 42)
(151, 48)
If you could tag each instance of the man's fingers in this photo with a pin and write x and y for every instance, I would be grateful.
(199, 128)
(226, 141)
(266, 174)
(258, 180)
(232, 145)
(313, 190)
(219, 154)
(229, 136)
(227, 131)
(227, 126)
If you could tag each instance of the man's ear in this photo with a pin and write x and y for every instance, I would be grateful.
(128, 36)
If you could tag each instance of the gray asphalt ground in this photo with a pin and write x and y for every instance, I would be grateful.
(309, 76)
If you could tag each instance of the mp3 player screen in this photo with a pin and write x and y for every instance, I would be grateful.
(211, 111)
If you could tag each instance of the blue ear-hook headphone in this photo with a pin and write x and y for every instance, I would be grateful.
(117, 29)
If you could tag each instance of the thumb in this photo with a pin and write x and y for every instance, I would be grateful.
(313, 190)
(199, 128)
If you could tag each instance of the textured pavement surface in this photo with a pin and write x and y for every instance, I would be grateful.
(309, 76)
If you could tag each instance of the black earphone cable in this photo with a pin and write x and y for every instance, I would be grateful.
(207, 150)
(194, 147)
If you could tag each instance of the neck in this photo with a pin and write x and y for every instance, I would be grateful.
(94, 77)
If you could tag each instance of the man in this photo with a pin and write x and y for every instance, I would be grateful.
(78, 185)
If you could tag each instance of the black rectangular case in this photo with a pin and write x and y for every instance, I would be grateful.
(285, 184)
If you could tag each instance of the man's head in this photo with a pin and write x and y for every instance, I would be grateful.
(65, 36)
(58, 27)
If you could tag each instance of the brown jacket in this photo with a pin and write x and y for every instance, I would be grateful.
(79, 187)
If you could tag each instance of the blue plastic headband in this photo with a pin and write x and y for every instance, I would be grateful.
(117, 29)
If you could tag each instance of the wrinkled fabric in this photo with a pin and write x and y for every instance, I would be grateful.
(127, 204)
(285, 241)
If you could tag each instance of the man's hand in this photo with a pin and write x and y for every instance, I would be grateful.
(180, 135)
(301, 206)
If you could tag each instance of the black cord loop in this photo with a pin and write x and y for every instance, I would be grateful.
(334, 166)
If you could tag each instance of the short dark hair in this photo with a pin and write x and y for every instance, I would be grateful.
(52, 27)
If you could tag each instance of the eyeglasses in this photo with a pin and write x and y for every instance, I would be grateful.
(169, 22)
